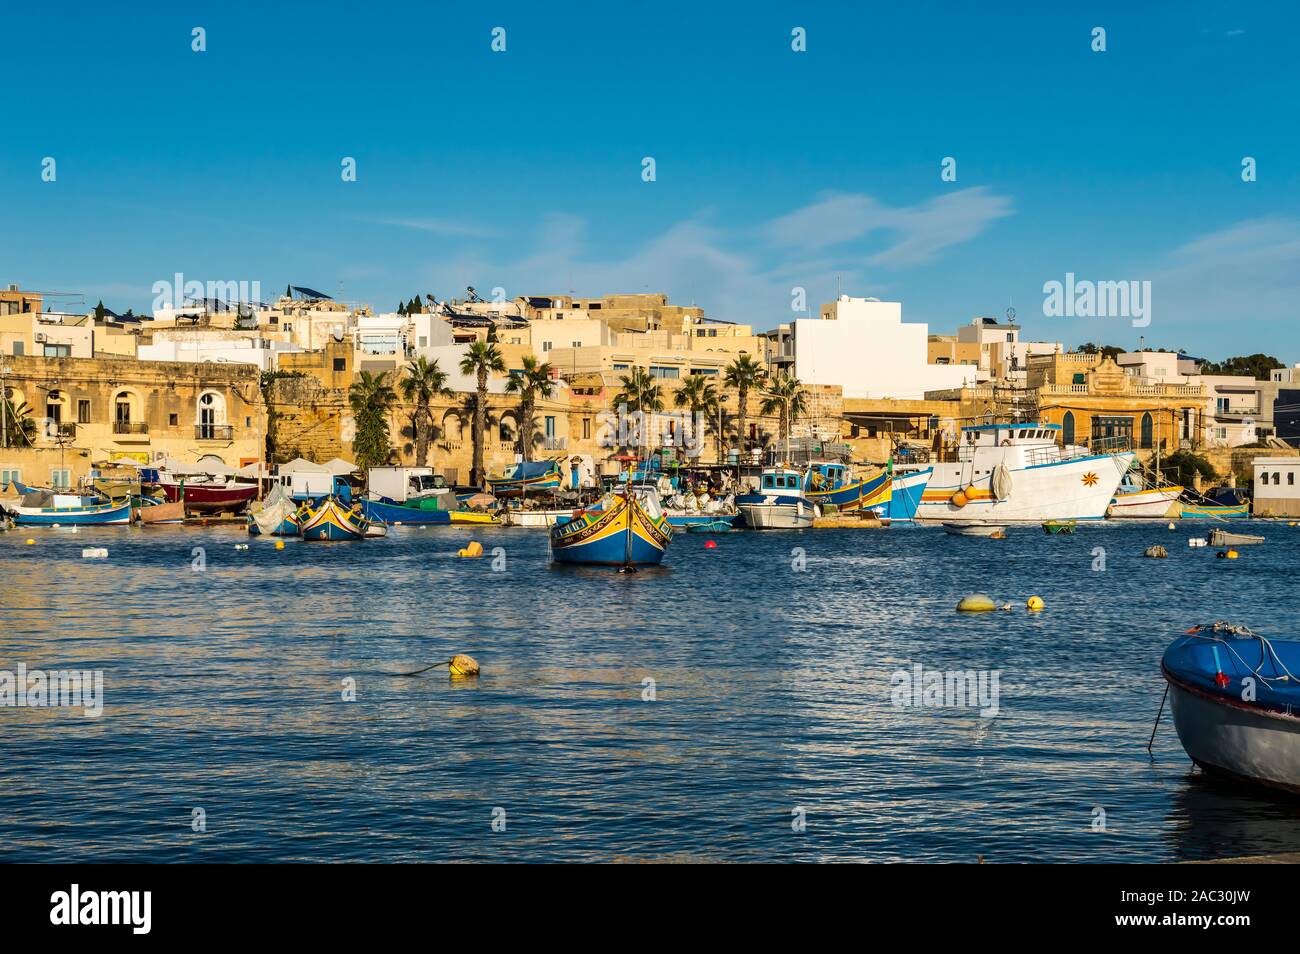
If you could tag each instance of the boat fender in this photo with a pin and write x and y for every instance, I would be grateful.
(1172, 527)
(1034, 603)
(976, 603)
(94, 553)
(959, 499)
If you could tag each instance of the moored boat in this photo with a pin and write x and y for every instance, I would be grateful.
(1017, 473)
(905, 491)
(1135, 499)
(40, 507)
(331, 519)
(1226, 538)
(779, 503)
(202, 493)
(278, 515)
(417, 514)
(526, 477)
(1234, 698)
(153, 512)
(628, 530)
(1060, 526)
(1224, 503)
(837, 484)
(994, 530)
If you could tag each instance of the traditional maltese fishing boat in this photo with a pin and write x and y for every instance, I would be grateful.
(1235, 698)
(331, 519)
(42, 508)
(628, 530)
(835, 483)
(278, 515)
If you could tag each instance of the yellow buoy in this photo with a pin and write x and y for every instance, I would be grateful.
(1034, 603)
(976, 603)
(462, 665)
(475, 549)
(279, 544)
(1233, 554)
(30, 541)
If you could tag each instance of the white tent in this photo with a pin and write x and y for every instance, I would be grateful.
(340, 467)
(300, 465)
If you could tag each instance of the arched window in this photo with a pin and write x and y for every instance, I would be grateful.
(211, 422)
(1067, 428)
(1148, 440)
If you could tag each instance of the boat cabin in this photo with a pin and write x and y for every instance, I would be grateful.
(782, 482)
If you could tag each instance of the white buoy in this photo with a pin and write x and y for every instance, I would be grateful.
(94, 553)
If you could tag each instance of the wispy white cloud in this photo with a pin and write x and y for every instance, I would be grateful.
(1246, 274)
(439, 227)
(747, 274)
(918, 233)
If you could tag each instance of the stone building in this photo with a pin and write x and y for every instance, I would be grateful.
(89, 411)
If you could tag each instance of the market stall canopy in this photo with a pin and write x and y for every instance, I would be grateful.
(339, 467)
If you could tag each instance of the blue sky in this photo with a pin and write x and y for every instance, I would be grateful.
(775, 169)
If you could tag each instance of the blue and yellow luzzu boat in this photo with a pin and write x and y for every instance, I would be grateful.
(526, 477)
(628, 530)
(1222, 502)
(836, 484)
(390, 511)
(332, 520)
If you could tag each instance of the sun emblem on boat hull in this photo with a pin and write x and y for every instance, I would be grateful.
(1089, 478)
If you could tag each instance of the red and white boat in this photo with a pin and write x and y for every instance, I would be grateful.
(205, 493)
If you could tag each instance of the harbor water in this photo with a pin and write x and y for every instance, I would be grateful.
(770, 729)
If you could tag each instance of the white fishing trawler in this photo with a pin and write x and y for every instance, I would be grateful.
(1018, 473)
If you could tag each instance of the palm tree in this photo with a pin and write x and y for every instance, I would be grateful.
(785, 396)
(532, 383)
(20, 425)
(482, 358)
(699, 394)
(424, 381)
(371, 399)
(642, 393)
(742, 374)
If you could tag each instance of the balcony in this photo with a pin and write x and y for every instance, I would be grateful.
(555, 443)
(214, 432)
(56, 432)
(130, 432)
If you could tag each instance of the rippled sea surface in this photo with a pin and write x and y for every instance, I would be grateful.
(772, 693)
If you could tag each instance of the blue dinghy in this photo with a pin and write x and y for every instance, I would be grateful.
(1236, 704)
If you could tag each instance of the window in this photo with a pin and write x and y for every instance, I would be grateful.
(173, 420)
(1067, 428)
(586, 428)
(1290, 478)
(83, 412)
(546, 346)
(1112, 428)
(60, 478)
(58, 351)
(550, 425)
(9, 476)
(340, 364)
(288, 326)
(1147, 436)
(19, 349)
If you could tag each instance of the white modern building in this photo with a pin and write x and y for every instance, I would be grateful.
(230, 347)
(1277, 487)
(862, 345)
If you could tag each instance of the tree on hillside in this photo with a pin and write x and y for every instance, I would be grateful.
(1256, 365)
(1106, 351)
(371, 398)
